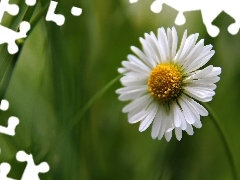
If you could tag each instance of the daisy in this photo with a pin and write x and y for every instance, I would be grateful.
(163, 84)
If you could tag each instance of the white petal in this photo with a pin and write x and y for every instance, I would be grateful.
(154, 50)
(139, 113)
(200, 109)
(177, 115)
(199, 92)
(131, 95)
(178, 133)
(128, 89)
(206, 71)
(163, 44)
(183, 122)
(195, 52)
(146, 99)
(189, 117)
(142, 56)
(132, 92)
(190, 42)
(122, 70)
(197, 124)
(168, 135)
(174, 42)
(163, 124)
(157, 123)
(199, 63)
(145, 123)
(202, 98)
(181, 46)
(147, 49)
(189, 129)
(216, 71)
(194, 112)
(207, 80)
(131, 80)
(157, 47)
(170, 42)
(135, 68)
(195, 84)
(138, 62)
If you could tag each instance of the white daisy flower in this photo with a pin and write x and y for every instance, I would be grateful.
(161, 83)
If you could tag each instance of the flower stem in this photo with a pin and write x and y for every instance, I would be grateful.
(77, 117)
(224, 139)
(9, 61)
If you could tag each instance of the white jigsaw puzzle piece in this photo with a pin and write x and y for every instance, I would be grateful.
(4, 105)
(12, 9)
(4, 170)
(75, 11)
(133, 1)
(9, 36)
(30, 2)
(12, 124)
(209, 10)
(31, 171)
(59, 19)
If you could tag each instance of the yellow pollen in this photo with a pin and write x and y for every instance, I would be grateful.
(165, 82)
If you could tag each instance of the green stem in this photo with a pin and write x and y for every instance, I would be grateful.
(225, 141)
(10, 61)
(79, 115)
(37, 18)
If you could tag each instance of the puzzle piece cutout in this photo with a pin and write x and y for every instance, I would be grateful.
(30, 2)
(209, 10)
(4, 105)
(59, 19)
(12, 9)
(133, 1)
(76, 11)
(31, 171)
(9, 36)
(4, 170)
(12, 124)
(12, 121)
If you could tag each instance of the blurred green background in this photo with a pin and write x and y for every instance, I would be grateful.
(60, 68)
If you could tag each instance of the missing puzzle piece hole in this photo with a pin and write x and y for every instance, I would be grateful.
(14, 9)
(4, 170)
(32, 170)
(30, 2)
(76, 11)
(4, 105)
(12, 36)
(133, 1)
(59, 19)
(156, 6)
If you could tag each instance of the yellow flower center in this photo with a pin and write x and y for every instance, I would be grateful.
(165, 82)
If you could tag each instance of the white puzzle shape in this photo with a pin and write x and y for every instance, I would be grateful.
(12, 121)
(4, 105)
(133, 1)
(12, 9)
(4, 170)
(7, 35)
(31, 171)
(209, 10)
(30, 2)
(75, 11)
(59, 19)
(12, 124)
